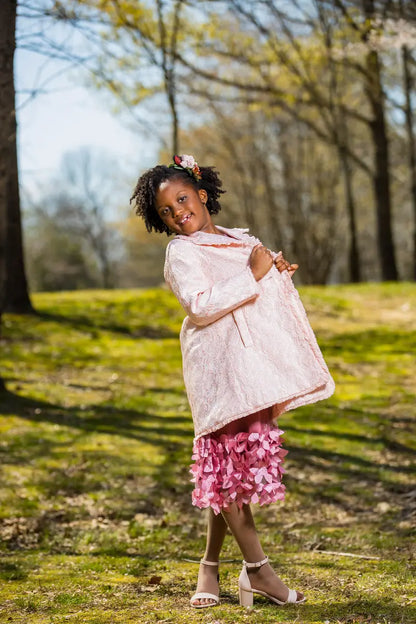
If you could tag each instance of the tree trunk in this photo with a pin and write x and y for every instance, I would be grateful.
(244, 191)
(7, 47)
(292, 193)
(169, 65)
(175, 120)
(381, 178)
(16, 290)
(340, 132)
(353, 253)
(411, 140)
(15, 293)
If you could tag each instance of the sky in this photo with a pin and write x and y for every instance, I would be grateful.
(65, 116)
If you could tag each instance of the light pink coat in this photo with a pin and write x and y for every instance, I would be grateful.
(246, 345)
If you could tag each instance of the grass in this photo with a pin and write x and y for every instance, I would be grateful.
(95, 515)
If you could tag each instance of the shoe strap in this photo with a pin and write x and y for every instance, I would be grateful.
(209, 563)
(258, 564)
(200, 595)
(293, 596)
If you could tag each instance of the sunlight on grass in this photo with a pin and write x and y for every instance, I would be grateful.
(96, 435)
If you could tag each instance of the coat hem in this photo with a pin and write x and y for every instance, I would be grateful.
(327, 384)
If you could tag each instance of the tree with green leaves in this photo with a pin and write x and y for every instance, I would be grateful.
(133, 52)
(317, 64)
(277, 40)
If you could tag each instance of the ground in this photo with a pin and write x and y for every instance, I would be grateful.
(96, 521)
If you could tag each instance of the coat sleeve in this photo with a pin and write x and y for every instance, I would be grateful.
(203, 301)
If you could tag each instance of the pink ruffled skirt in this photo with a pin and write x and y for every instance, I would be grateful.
(241, 463)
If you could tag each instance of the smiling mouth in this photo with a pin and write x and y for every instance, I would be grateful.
(184, 219)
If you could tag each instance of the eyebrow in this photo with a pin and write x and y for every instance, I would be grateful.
(162, 205)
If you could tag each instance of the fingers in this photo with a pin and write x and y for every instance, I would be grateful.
(261, 248)
(260, 253)
(260, 261)
(283, 265)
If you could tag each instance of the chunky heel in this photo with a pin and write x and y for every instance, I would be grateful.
(246, 597)
(245, 591)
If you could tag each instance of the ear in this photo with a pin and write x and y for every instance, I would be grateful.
(203, 196)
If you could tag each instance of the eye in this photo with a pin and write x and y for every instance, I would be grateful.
(164, 212)
(182, 199)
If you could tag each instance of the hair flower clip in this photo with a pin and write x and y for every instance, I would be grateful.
(187, 163)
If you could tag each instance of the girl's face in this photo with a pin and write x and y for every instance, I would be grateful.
(182, 208)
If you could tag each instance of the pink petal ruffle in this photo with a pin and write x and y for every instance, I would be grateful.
(243, 468)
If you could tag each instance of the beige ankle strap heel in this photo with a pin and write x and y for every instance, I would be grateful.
(214, 599)
(246, 592)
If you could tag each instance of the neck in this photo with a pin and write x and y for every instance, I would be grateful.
(210, 229)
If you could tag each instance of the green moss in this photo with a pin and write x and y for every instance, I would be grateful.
(96, 436)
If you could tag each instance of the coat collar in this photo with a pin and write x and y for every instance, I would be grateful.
(228, 236)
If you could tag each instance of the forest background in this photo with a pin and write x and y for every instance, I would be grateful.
(305, 107)
(307, 110)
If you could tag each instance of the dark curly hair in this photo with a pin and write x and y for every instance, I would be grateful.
(147, 186)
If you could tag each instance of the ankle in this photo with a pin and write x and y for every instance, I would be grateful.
(209, 562)
(255, 565)
(261, 572)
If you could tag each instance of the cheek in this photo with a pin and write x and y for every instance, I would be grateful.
(163, 220)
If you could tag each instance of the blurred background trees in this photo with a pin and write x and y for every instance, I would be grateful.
(306, 109)
(79, 235)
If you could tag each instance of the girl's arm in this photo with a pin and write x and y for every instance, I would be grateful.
(205, 303)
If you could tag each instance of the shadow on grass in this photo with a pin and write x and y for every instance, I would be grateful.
(13, 570)
(380, 340)
(392, 445)
(174, 432)
(380, 434)
(138, 425)
(93, 325)
(360, 610)
(344, 463)
(368, 611)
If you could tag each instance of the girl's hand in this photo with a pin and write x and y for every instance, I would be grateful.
(283, 265)
(260, 261)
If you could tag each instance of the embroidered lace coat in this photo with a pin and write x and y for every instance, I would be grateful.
(246, 345)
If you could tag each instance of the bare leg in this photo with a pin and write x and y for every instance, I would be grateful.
(208, 575)
(216, 530)
(241, 524)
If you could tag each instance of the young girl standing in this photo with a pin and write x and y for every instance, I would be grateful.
(249, 354)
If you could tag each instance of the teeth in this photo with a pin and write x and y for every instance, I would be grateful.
(184, 219)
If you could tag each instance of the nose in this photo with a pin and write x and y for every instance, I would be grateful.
(176, 210)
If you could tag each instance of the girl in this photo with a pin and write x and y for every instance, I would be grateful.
(249, 354)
